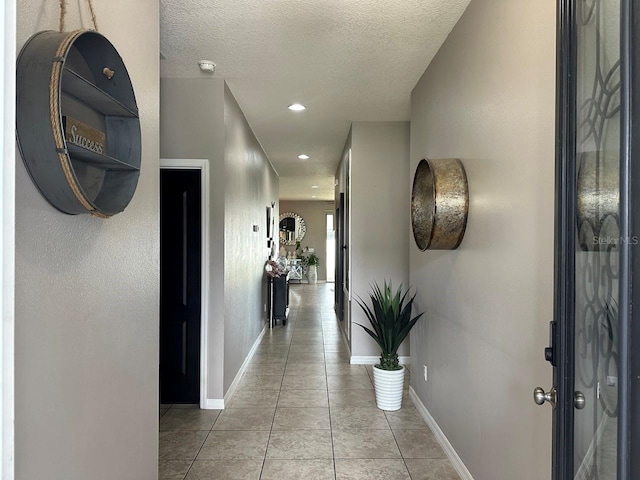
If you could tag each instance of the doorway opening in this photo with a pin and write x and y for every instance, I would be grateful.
(184, 280)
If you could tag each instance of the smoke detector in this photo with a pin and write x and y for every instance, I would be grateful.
(207, 66)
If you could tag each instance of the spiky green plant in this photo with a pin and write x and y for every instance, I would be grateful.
(390, 319)
(313, 260)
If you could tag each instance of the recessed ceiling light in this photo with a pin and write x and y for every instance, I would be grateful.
(314, 196)
(297, 107)
(314, 186)
(303, 156)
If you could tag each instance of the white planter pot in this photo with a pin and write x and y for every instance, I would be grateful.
(313, 274)
(388, 386)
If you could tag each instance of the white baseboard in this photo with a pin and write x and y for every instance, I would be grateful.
(243, 368)
(372, 360)
(213, 404)
(456, 461)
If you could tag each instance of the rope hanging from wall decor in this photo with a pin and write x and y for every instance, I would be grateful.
(58, 137)
(63, 13)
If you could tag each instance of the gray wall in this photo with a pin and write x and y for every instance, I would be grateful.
(86, 338)
(314, 215)
(201, 119)
(488, 99)
(192, 127)
(251, 186)
(379, 217)
(341, 189)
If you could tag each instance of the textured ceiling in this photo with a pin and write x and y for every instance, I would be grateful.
(346, 60)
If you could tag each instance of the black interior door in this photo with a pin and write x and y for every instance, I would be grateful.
(180, 285)
(339, 296)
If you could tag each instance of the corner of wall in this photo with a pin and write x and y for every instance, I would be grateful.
(379, 195)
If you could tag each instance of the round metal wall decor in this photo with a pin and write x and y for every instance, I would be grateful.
(77, 122)
(439, 204)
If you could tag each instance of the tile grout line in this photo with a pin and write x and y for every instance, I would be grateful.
(326, 379)
(200, 449)
(399, 450)
(294, 323)
(266, 450)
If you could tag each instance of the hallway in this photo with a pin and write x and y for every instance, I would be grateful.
(301, 411)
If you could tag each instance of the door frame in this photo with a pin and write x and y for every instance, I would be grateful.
(339, 227)
(346, 269)
(7, 235)
(203, 166)
(564, 292)
(629, 374)
(562, 345)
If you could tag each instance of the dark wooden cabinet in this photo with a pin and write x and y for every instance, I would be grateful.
(279, 295)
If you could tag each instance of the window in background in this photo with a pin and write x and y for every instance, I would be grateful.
(331, 249)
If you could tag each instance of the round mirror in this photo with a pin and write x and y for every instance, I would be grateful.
(292, 228)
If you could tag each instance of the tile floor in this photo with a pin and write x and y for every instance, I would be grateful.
(301, 411)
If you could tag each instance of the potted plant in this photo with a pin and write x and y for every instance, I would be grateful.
(391, 322)
(313, 261)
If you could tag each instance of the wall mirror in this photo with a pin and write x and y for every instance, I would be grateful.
(292, 228)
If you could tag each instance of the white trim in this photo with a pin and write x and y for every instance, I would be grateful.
(456, 461)
(213, 404)
(203, 166)
(7, 235)
(236, 381)
(372, 360)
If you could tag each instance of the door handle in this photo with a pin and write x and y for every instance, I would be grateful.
(540, 396)
(578, 400)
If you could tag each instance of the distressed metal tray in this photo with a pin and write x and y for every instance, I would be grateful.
(439, 204)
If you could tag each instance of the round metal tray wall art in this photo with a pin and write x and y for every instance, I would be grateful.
(439, 204)
(598, 201)
(77, 122)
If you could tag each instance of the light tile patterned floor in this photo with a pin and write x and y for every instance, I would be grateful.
(301, 411)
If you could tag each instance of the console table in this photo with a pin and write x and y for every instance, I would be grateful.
(278, 299)
(295, 269)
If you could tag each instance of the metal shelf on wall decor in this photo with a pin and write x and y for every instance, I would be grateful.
(85, 91)
(93, 158)
(77, 122)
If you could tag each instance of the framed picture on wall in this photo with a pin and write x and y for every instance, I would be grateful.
(270, 227)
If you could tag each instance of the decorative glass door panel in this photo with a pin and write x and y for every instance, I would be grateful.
(595, 338)
(598, 238)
